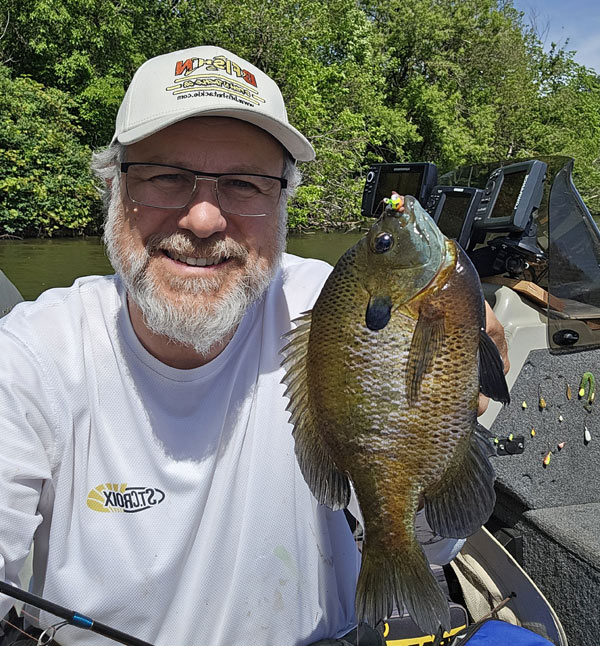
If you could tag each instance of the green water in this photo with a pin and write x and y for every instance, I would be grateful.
(36, 265)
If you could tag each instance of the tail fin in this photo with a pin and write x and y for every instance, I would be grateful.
(404, 577)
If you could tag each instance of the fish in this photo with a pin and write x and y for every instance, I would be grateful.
(383, 377)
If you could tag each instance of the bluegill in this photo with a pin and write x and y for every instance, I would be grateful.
(383, 377)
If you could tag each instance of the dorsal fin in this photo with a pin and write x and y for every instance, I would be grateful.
(329, 485)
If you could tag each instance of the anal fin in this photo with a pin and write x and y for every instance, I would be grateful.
(463, 500)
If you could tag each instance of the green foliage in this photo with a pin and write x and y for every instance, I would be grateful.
(569, 124)
(45, 184)
(449, 81)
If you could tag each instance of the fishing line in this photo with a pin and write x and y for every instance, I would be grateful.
(358, 539)
(9, 623)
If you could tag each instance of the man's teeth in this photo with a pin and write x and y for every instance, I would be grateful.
(196, 262)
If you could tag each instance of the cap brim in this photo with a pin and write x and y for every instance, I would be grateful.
(298, 146)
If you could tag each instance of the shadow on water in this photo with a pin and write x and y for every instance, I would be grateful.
(36, 265)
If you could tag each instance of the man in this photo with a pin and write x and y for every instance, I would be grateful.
(146, 443)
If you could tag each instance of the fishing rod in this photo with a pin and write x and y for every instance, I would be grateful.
(70, 616)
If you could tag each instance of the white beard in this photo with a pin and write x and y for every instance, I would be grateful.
(188, 319)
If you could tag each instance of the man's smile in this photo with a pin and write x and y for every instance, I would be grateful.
(195, 262)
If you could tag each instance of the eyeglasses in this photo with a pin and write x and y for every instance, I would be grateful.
(171, 187)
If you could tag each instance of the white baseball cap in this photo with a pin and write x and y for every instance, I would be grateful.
(205, 81)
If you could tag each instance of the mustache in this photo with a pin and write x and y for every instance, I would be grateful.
(187, 244)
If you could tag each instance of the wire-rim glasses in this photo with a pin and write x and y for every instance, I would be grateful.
(163, 186)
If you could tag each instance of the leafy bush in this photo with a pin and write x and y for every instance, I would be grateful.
(366, 81)
(46, 187)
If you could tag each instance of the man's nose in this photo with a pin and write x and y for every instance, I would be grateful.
(203, 216)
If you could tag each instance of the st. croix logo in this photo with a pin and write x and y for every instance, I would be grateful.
(121, 498)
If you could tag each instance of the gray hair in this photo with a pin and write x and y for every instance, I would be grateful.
(106, 166)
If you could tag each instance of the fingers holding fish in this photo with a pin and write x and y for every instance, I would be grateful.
(495, 331)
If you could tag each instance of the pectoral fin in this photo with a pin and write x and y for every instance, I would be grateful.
(328, 484)
(379, 312)
(427, 342)
(492, 382)
(463, 500)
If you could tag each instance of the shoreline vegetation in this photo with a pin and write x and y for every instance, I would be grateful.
(367, 81)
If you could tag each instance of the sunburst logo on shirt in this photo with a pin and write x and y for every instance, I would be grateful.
(114, 497)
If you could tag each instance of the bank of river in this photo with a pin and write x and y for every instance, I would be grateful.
(36, 265)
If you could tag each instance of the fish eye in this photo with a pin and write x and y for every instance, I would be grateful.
(383, 242)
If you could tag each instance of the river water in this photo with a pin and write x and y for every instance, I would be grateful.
(36, 265)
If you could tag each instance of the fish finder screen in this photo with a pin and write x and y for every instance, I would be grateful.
(452, 216)
(508, 195)
(406, 183)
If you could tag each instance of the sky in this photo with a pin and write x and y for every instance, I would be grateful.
(559, 20)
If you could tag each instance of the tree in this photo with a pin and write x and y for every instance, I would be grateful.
(46, 186)
(568, 119)
(461, 72)
(448, 81)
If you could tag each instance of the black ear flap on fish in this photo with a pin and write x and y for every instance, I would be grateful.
(464, 498)
(426, 343)
(492, 382)
(379, 312)
(328, 484)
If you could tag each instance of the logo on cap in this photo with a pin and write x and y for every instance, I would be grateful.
(218, 77)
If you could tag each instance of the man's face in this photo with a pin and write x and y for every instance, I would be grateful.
(193, 271)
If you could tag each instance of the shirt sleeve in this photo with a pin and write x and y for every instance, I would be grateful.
(28, 420)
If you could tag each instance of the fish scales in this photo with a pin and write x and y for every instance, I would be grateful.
(388, 401)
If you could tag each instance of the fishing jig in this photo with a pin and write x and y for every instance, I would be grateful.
(394, 203)
(587, 381)
(541, 400)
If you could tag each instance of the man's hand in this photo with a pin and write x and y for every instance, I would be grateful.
(495, 331)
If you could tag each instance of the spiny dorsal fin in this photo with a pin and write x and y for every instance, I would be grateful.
(329, 485)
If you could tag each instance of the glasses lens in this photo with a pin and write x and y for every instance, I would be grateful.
(160, 186)
(172, 188)
(248, 194)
